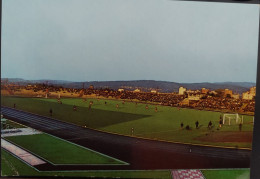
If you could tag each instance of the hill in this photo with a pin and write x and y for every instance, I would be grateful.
(144, 85)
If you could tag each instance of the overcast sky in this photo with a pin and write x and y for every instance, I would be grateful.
(87, 40)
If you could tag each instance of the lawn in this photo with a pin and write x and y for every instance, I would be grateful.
(13, 124)
(59, 151)
(11, 166)
(227, 174)
(147, 123)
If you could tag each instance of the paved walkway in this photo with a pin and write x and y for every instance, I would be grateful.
(17, 132)
(22, 154)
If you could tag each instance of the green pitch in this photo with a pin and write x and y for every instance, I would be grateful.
(11, 166)
(161, 125)
(227, 174)
(59, 151)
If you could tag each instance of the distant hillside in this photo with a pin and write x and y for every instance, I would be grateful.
(145, 85)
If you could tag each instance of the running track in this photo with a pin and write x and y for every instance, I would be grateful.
(139, 153)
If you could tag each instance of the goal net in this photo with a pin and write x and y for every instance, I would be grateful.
(232, 119)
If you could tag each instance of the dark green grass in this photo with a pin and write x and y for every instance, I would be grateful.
(227, 174)
(13, 124)
(11, 166)
(163, 125)
(94, 118)
(59, 151)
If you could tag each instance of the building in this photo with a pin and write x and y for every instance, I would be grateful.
(252, 90)
(235, 96)
(194, 97)
(91, 87)
(213, 93)
(204, 90)
(185, 102)
(137, 91)
(249, 95)
(121, 90)
(154, 91)
(228, 92)
(182, 90)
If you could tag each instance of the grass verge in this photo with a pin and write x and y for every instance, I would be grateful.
(59, 151)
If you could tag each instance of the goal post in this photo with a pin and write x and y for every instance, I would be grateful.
(232, 117)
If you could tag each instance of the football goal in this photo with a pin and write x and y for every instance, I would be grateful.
(230, 118)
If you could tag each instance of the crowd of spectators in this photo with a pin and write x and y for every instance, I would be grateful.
(207, 102)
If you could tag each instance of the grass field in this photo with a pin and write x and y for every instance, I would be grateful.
(11, 166)
(59, 151)
(13, 124)
(161, 125)
(227, 174)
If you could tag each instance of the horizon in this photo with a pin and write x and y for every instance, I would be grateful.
(127, 81)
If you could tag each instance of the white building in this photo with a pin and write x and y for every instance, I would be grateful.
(121, 90)
(194, 97)
(182, 90)
(137, 90)
(249, 95)
(153, 91)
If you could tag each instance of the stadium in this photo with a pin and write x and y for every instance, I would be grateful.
(128, 89)
(122, 137)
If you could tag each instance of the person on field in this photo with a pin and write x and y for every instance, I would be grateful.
(105, 102)
(90, 105)
(156, 109)
(197, 124)
(132, 131)
(220, 123)
(123, 102)
(50, 112)
(74, 108)
(14, 105)
(240, 126)
(146, 107)
(210, 125)
(117, 106)
(181, 125)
